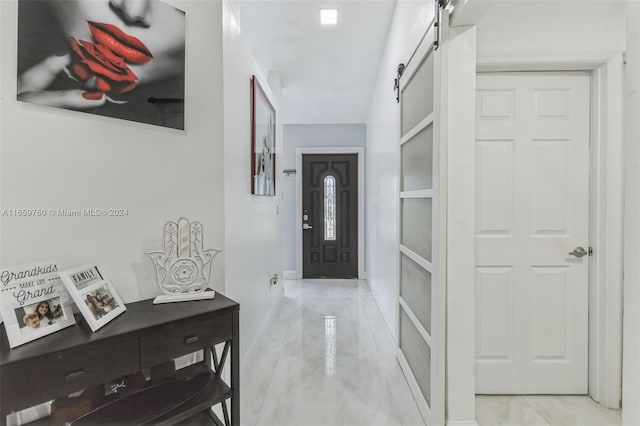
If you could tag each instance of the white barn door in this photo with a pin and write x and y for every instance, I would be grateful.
(532, 211)
(421, 322)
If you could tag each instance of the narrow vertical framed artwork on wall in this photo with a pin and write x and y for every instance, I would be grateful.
(263, 142)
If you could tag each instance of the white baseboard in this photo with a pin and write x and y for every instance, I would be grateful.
(289, 275)
(461, 423)
(376, 296)
(267, 320)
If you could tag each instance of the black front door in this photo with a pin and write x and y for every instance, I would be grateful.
(330, 216)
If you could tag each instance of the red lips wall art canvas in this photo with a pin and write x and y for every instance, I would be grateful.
(120, 58)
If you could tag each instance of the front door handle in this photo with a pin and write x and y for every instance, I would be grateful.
(578, 252)
(306, 226)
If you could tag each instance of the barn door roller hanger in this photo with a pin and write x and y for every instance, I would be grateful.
(440, 4)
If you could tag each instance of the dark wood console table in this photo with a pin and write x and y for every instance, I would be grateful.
(140, 339)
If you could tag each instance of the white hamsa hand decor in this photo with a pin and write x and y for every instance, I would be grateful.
(183, 269)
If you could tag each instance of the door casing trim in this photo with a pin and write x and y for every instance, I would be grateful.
(330, 150)
(607, 203)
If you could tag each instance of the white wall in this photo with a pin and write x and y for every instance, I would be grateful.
(531, 27)
(631, 356)
(409, 23)
(253, 238)
(461, 52)
(316, 136)
(53, 158)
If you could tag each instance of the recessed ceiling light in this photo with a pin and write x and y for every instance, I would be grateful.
(328, 16)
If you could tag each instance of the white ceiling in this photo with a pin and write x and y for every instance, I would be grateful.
(327, 72)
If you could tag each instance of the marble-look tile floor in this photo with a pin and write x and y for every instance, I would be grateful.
(543, 410)
(325, 358)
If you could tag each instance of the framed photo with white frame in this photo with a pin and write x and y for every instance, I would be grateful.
(95, 297)
(34, 302)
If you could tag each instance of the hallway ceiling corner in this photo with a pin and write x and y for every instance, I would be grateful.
(327, 72)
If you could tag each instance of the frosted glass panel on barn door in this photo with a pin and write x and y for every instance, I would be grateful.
(421, 293)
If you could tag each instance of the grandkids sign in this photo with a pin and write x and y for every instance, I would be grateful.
(33, 302)
(7, 276)
(33, 289)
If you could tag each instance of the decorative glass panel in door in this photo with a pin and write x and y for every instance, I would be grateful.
(329, 208)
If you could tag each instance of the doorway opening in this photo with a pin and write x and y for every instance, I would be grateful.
(606, 204)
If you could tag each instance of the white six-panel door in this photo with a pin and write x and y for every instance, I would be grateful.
(532, 210)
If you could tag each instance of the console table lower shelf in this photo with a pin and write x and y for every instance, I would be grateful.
(167, 397)
(191, 392)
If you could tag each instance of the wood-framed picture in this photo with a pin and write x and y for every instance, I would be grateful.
(95, 297)
(263, 141)
(34, 302)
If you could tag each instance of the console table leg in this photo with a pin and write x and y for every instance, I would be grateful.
(235, 371)
(208, 354)
(225, 413)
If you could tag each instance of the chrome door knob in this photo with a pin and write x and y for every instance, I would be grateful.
(306, 226)
(578, 252)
